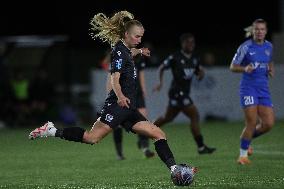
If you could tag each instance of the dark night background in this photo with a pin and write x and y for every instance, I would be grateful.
(213, 22)
(218, 27)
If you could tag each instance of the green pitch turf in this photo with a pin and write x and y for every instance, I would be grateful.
(54, 163)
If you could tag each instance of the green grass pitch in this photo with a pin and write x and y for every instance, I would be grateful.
(54, 163)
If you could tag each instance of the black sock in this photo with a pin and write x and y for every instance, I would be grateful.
(71, 133)
(117, 137)
(164, 152)
(143, 142)
(199, 141)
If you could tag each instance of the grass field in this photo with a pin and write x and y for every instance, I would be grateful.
(55, 163)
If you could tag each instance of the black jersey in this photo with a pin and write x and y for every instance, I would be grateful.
(122, 62)
(182, 69)
(140, 64)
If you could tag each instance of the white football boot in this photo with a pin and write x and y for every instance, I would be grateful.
(46, 130)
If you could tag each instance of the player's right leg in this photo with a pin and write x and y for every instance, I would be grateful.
(76, 134)
(161, 145)
(97, 133)
(266, 116)
(47, 130)
(246, 136)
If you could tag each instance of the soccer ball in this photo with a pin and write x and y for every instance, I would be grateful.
(182, 174)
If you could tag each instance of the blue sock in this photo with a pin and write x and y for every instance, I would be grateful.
(245, 144)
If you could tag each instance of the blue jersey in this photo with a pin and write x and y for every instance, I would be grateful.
(259, 56)
(254, 86)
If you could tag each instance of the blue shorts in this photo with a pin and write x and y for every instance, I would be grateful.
(253, 96)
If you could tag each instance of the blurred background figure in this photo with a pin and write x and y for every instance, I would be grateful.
(104, 62)
(42, 96)
(6, 110)
(20, 93)
(184, 65)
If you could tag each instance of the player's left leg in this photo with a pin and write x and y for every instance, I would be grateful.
(266, 115)
(191, 112)
(162, 148)
(265, 119)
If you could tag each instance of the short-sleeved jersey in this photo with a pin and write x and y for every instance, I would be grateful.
(122, 62)
(182, 68)
(257, 55)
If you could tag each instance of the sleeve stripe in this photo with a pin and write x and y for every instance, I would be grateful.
(241, 52)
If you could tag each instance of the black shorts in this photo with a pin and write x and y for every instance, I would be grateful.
(113, 115)
(140, 101)
(179, 100)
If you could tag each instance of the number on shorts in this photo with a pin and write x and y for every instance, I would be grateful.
(248, 100)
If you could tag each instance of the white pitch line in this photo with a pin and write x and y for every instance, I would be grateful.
(279, 153)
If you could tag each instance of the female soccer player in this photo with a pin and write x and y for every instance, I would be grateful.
(254, 59)
(184, 65)
(143, 141)
(123, 33)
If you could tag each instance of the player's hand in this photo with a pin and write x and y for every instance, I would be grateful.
(200, 75)
(249, 68)
(145, 51)
(271, 73)
(123, 101)
(157, 88)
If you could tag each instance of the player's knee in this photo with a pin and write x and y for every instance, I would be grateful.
(90, 139)
(159, 134)
(268, 126)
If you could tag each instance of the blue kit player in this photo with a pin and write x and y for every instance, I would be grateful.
(254, 59)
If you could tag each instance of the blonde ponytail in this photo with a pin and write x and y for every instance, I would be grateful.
(107, 29)
(248, 31)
